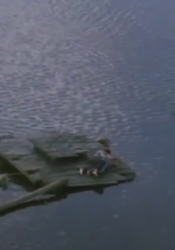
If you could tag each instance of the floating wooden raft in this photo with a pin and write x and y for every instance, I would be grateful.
(59, 156)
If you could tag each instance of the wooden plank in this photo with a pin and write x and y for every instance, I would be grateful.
(54, 154)
(65, 149)
(36, 177)
(31, 177)
(30, 196)
(28, 165)
(112, 176)
(65, 145)
(83, 183)
(14, 164)
(59, 156)
(76, 180)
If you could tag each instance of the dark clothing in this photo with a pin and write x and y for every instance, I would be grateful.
(98, 163)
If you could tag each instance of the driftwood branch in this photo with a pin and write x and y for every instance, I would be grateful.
(13, 203)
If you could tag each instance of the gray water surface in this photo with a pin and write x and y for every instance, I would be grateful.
(103, 68)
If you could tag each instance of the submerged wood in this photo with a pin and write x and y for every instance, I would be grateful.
(13, 203)
(3, 179)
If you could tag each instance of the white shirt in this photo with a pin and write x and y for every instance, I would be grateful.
(103, 155)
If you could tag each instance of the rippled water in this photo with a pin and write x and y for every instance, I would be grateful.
(102, 67)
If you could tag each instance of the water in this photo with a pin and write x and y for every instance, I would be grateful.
(105, 68)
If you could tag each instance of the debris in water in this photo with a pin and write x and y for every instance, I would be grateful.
(173, 111)
(115, 216)
(62, 234)
(58, 156)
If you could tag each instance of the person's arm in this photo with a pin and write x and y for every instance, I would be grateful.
(109, 156)
(100, 153)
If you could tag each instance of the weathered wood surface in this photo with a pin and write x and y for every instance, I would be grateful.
(52, 158)
(32, 195)
(23, 167)
(65, 146)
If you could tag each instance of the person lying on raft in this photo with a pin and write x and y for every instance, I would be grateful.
(101, 160)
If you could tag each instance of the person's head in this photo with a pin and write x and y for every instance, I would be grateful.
(104, 141)
(107, 150)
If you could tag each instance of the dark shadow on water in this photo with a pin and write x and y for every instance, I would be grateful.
(43, 200)
(53, 197)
